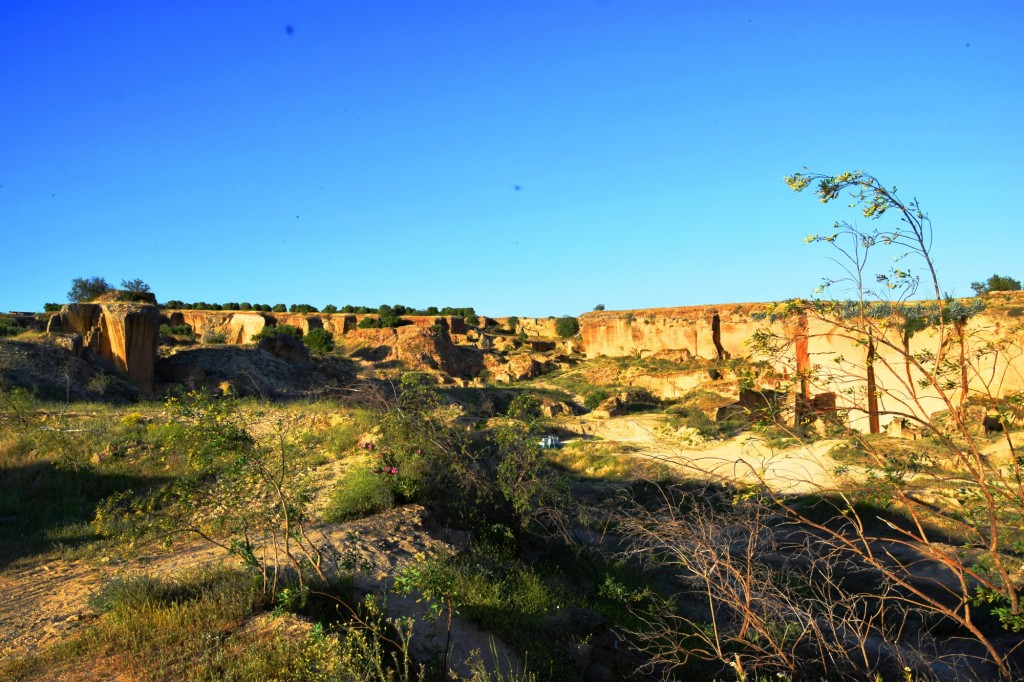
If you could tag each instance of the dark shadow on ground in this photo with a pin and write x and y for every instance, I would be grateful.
(43, 505)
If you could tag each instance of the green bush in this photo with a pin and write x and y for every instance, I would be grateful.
(382, 322)
(360, 493)
(176, 330)
(9, 327)
(329, 309)
(567, 326)
(595, 398)
(319, 341)
(51, 307)
(215, 339)
(135, 290)
(279, 308)
(278, 330)
(524, 407)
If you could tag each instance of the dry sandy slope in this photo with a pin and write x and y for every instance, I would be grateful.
(745, 458)
(41, 603)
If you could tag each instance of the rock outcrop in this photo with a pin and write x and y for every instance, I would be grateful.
(124, 334)
(417, 348)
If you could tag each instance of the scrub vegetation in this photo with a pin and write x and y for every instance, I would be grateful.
(398, 529)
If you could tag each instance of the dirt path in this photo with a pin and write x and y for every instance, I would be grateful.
(42, 603)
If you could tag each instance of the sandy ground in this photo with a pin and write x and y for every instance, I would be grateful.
(41, 603)
(745, 458)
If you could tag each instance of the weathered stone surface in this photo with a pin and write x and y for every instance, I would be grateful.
(124, 334)
(285, 347)
(243, 326)
(131, 332)
(525, 366)
(417, 348)
(536, 327)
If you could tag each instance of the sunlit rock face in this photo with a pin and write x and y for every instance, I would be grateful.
(820, 359)
(124, 334)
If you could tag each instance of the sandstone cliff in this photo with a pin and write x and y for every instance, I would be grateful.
(822, 360)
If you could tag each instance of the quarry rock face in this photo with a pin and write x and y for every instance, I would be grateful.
(243, 327)
(808, 349)
(285, 347)
(419, 348)
(124, 334)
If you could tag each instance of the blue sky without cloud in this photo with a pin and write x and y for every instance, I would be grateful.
(530, 158)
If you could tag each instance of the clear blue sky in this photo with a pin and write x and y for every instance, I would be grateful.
(531, 158)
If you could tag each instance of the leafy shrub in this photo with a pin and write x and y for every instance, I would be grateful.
(9, 327)
(472, 320)
(595, 398)
(279, 308)
(271, 331)
(382, 322)
(135, 290)
(215, 338)
(302, 308)
(512, 323)
(176, 330)
(567, 326)
(51, 307)
(330, 309)
(360, 493)
(369, 323)
(524, 407)
(319, 341)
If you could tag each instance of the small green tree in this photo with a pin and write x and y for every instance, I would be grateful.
(84, 289)
(995, 283)
(319, 340)
(135, 290)
(567, 326)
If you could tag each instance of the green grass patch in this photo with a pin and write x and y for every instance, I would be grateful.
(359, 493)
(604, 461)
